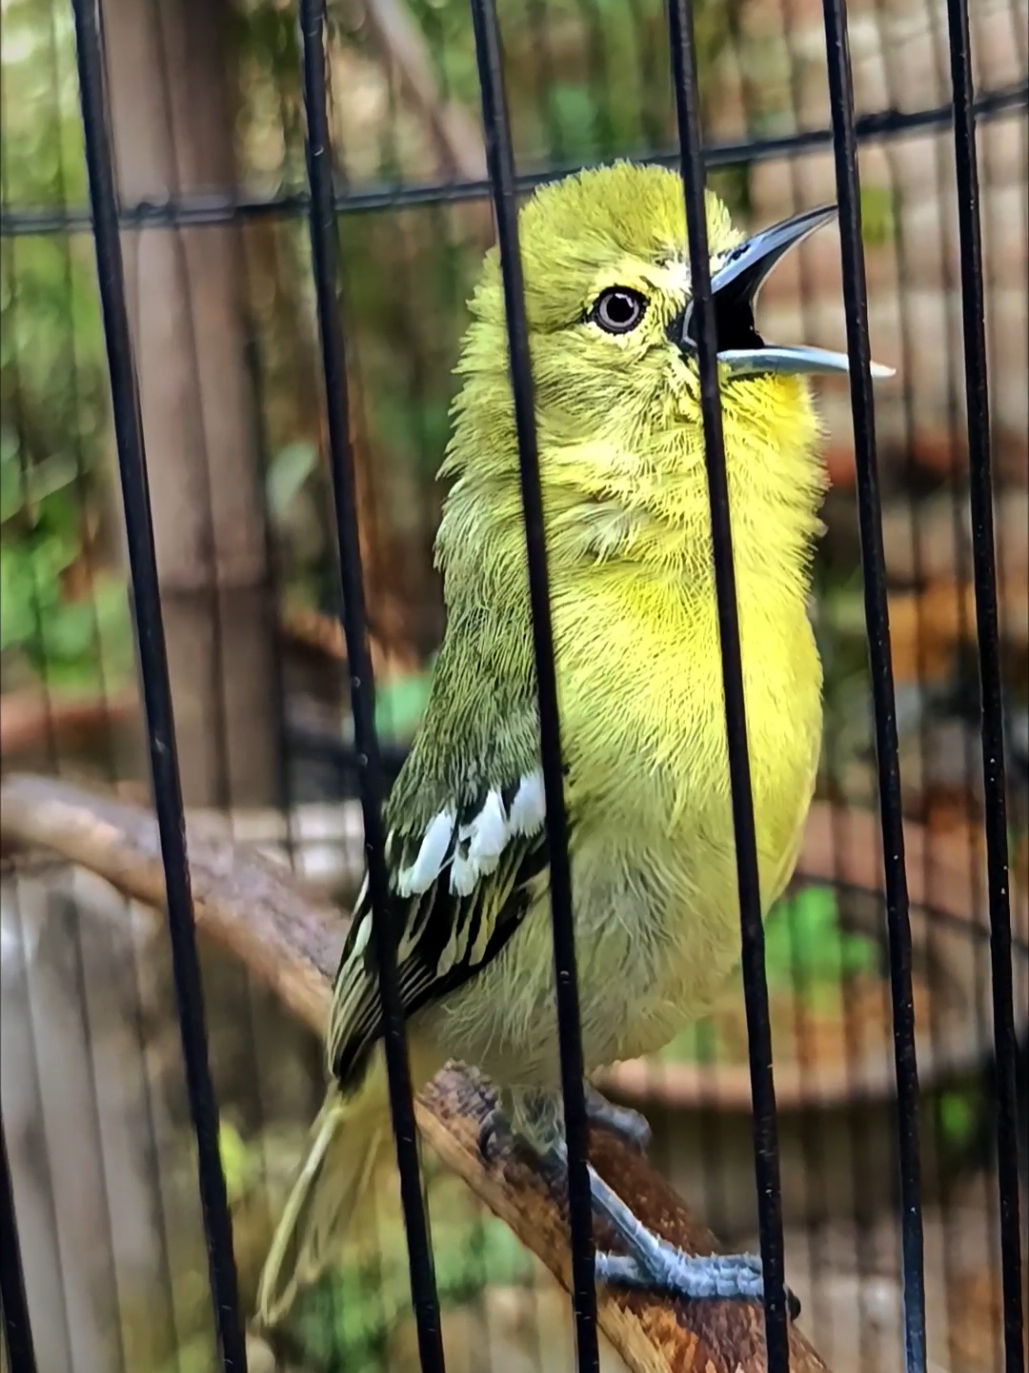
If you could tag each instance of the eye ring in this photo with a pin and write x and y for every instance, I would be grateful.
(619, 310)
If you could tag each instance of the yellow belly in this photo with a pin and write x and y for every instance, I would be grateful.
(654, 886)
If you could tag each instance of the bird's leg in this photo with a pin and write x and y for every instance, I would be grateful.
(541, 1114)
(528, 1121)
(652, 1262)
(629, 1126)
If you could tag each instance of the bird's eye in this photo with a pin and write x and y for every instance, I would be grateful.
(619, 310)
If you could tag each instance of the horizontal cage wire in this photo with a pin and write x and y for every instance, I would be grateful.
(539, 718)
(212, 208)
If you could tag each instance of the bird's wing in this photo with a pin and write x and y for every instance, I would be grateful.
(459, 888)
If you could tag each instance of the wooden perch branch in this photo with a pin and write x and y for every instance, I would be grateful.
(291, 939)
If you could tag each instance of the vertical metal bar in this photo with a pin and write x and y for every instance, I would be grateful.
(984, 561)
(13, 1299)
(755, 986)
(156, 688)
(841, 98)
(500, 166)
(362, 698)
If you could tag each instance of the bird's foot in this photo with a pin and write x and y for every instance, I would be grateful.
(629, 1126)
(493, 1134)
(541, 1118)
(664, 1268)
(652, 1263)
(497, 1135)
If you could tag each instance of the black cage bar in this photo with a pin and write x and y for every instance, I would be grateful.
(500, 163)
(873, 561)
(766, 1146)
(13, 1299)
(322, 201)
(323, 253)
(153, 668)
(973, 305)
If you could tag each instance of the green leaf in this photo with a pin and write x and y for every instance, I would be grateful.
(346, 1321)
(400, 704)
(238, 1162)
(47, 478)
(287, 474)
(69, 631)
(11, 487)
(959, 1116)
(18, 618)
(878, 219)
(805, 947)
(573, 111)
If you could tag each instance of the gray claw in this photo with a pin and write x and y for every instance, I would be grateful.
(628, 1125)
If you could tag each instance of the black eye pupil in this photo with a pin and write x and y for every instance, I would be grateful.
(619, 310)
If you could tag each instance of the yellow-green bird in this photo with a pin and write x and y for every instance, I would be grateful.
(621, 450)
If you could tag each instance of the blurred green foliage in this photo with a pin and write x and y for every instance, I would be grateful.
(53, 384)
(43, 163)
(878, 216)
(349, 1320)
(809, 954)
(959, 1115)
(839, 625)
(400, 703)
(807, 948)
(588, 79)
(60, 620)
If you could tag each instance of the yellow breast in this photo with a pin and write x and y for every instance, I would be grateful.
(643, 713)
(653, 855)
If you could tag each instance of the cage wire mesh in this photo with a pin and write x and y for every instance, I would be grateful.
(207, 127)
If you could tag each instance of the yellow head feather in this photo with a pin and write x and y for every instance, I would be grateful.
(618, 415)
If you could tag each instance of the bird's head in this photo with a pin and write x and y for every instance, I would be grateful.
(614, 360)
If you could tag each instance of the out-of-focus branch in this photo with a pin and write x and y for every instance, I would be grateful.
(291, 940)
(40, 717)
(455, 132)
(33, 717)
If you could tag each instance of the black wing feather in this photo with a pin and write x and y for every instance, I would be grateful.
(428, 923)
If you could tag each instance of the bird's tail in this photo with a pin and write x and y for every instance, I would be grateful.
(334, 1194)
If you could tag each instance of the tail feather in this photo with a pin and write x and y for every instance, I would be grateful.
(349, 1139)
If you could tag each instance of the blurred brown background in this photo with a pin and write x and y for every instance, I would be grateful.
(207, 129)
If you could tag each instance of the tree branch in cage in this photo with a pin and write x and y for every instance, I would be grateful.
(455, 133)
(290, 938)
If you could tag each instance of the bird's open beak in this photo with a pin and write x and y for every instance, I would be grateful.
(735, 286)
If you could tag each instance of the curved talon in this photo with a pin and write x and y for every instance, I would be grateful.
(487, 1134)
(631, 1127)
